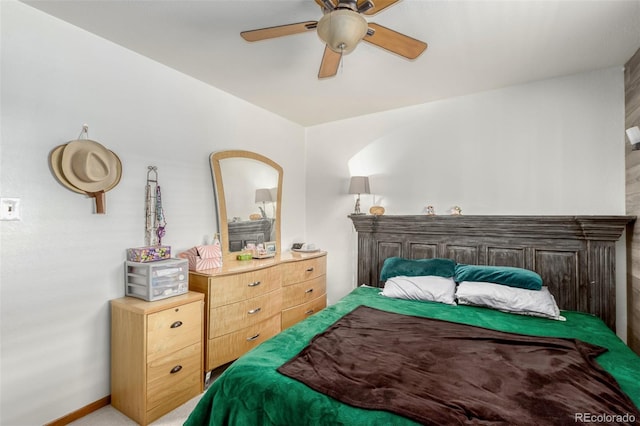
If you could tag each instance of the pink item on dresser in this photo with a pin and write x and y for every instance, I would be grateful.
(203, 257)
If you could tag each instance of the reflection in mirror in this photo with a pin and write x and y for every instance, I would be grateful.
(248, 194)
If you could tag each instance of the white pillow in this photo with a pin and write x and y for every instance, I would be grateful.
(430, 287)
(539, 303)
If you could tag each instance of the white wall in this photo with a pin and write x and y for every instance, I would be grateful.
(553, 147)
(62, 264)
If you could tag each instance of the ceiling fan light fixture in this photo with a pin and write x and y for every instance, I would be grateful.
(342, 30)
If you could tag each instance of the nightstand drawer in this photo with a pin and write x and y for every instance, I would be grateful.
(229, 347)
(172, 379)
(229, 318)
(293, 315)
(178, 364)
(294, 272)
(228, 289)
(173, 329)
(303, 292)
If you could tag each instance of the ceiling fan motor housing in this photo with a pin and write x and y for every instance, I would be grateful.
(342, 29)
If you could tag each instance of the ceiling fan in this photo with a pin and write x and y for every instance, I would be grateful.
(341, 28)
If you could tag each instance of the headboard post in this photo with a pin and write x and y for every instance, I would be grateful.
(574, 255)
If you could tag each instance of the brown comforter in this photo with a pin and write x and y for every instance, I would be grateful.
(439, 373)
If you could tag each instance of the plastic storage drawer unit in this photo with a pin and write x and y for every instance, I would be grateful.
(156, 280)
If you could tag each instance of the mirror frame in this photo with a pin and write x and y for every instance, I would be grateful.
(221, 204)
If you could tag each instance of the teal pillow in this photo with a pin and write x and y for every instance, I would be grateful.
(398, 266)
(505, 275)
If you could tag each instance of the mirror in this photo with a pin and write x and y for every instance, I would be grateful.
(248, 190)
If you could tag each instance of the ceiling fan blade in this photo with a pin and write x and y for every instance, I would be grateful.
(279, 31)
(378, 6)
(365, 6)
(330, 63)
(324, 4)
(395, 42)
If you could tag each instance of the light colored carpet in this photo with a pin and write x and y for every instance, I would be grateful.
(109, 416)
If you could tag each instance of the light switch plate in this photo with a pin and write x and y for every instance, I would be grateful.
(9, 208)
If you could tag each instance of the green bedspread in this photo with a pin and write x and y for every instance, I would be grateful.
(252, 392)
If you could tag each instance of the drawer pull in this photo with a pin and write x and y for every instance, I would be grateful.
(254, 284)
(175, 369)
(309, 290)
(309, 312)
(176, 324)
(310, 269)
(254, 311)
(253, 337)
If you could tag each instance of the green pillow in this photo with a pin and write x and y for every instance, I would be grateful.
(398, 266)
(505, 275)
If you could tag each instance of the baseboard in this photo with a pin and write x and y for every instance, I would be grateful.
(78, 414)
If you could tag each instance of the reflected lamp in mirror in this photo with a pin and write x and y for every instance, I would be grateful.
(359, 185)
(633, 134)
(263, 195)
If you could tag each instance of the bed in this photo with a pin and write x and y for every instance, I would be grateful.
(253, 391)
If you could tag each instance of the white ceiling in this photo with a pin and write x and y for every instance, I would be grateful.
(474, 45)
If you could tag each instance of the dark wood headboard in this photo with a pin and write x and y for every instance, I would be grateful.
(574, 255)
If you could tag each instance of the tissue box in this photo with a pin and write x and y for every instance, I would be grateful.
(148, 253)
(203, 257)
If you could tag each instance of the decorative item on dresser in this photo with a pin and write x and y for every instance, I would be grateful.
(247, 302)
(156, 354)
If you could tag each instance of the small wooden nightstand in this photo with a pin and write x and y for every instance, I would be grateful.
(156, 354)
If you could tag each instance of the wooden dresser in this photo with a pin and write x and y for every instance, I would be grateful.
(156, 354)
(247, 302)
(304, 289)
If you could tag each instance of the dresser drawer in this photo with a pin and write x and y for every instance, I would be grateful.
(293, 315)
(173, 380)
(173, 366)
(295, 272)
(295, 294)
(229, 347)
(173, 329)
(228, 289)
(229, 318)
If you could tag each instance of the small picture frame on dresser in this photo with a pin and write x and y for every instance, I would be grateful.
(270, 247)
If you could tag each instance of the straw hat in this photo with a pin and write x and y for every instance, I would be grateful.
(85, 166)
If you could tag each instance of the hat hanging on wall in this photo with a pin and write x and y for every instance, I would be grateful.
(86, 167)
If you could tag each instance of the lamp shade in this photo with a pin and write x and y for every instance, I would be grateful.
(359, 185)
(274, 193)
(342, 30)
(263, 195)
